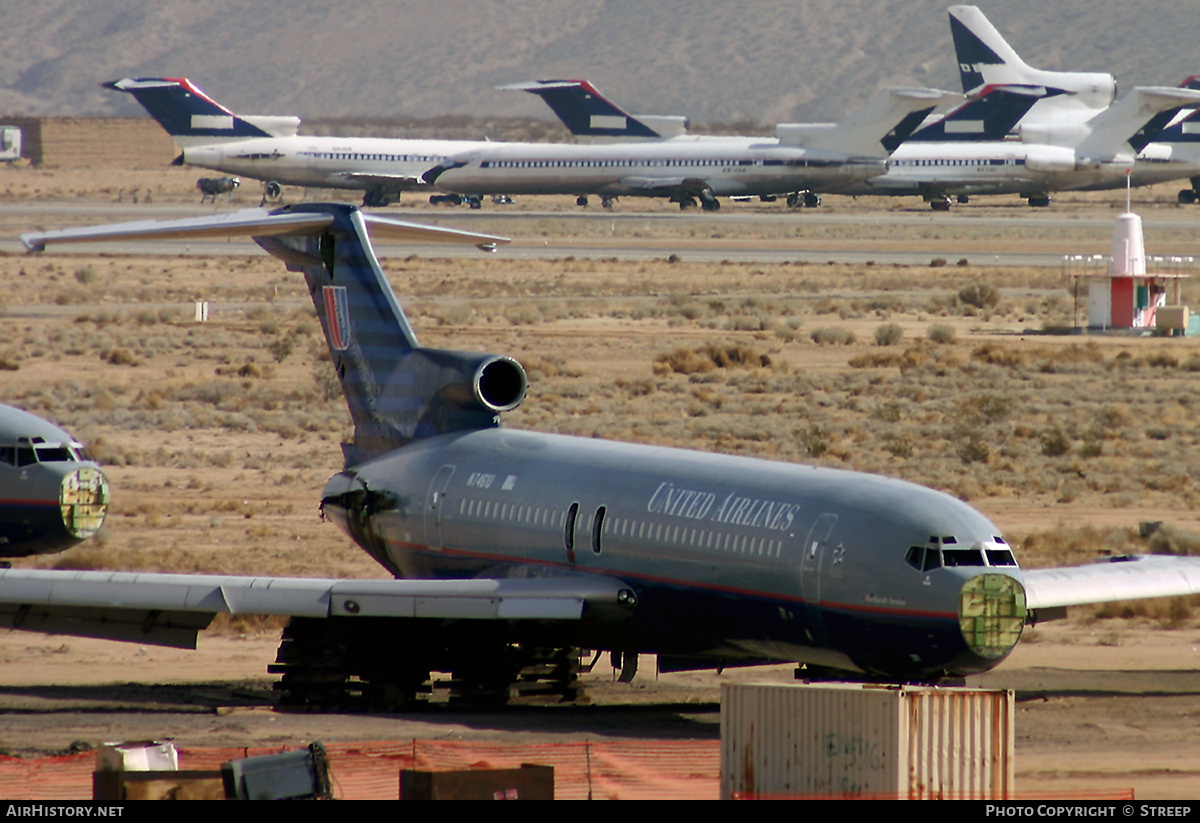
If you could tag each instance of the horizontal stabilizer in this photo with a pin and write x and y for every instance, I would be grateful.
(876, 129)
(1136, 118)
(1118, 578)
(254, 223)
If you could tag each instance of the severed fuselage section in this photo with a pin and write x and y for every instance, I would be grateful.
(52, 494)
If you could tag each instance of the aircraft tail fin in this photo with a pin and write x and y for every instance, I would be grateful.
(588, 113)
(194, 118)
(1137, 119)
(876, 129)
(988, 115)
(984, 56)
(986, 59)
(1185, 129)
(397, 390)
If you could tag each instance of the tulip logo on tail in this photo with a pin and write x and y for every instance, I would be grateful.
(337, 316)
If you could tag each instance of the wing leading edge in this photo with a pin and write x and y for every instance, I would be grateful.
(171, 609)
(1132, 577)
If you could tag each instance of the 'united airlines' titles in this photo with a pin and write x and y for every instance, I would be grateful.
(734, 509)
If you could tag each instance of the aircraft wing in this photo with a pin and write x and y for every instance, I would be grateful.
(400, 181)
(1118, 578)
(683, 185)
(170, 609)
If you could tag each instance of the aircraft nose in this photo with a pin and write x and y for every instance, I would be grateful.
(83, 500)
(991, 613)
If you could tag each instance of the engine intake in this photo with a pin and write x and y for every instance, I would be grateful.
(500, 384)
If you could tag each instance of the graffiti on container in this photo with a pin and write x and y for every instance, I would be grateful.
(854, 750)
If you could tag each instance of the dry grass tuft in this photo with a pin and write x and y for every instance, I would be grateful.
(710, 356)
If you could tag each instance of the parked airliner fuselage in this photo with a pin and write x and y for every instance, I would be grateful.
(331, 162)
(726, 166)
(732, 559)
(1018, 168)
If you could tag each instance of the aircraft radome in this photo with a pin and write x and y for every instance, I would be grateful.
(513, 549)
(52, 494)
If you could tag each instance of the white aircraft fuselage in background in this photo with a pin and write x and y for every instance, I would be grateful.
(724, 165)
(361, 163)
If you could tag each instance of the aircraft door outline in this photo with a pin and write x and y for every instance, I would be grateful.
(812, 556)
(435, 500)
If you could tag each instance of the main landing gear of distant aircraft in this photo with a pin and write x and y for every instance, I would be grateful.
(685, 202)
(581, 200)
(708, 202)
(1038, 201)
(1189, 196)
(607, 202)
(376, 198)
(807, 199)
(348, 664)
(271, 191)
(939, 203)
(963, 199)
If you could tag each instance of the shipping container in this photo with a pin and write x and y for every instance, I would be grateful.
(835, 740)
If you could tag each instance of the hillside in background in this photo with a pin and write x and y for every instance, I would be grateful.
(762, 61)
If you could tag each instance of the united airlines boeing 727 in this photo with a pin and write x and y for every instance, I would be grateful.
(512, 548)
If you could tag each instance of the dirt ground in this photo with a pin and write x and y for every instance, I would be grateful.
(1098, 708)
(219, 471)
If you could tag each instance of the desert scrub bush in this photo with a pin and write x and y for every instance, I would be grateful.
(1166, 539)
(548, 366)
(940, 333)
(876, 360)
(832, 336)
(814, 440)
(888, 334)
(709, 356)
(86, 275)
(119, 357)
(1055, 442)
(979, 295)
(750, 322)
(900, 447)
(1071, 546)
